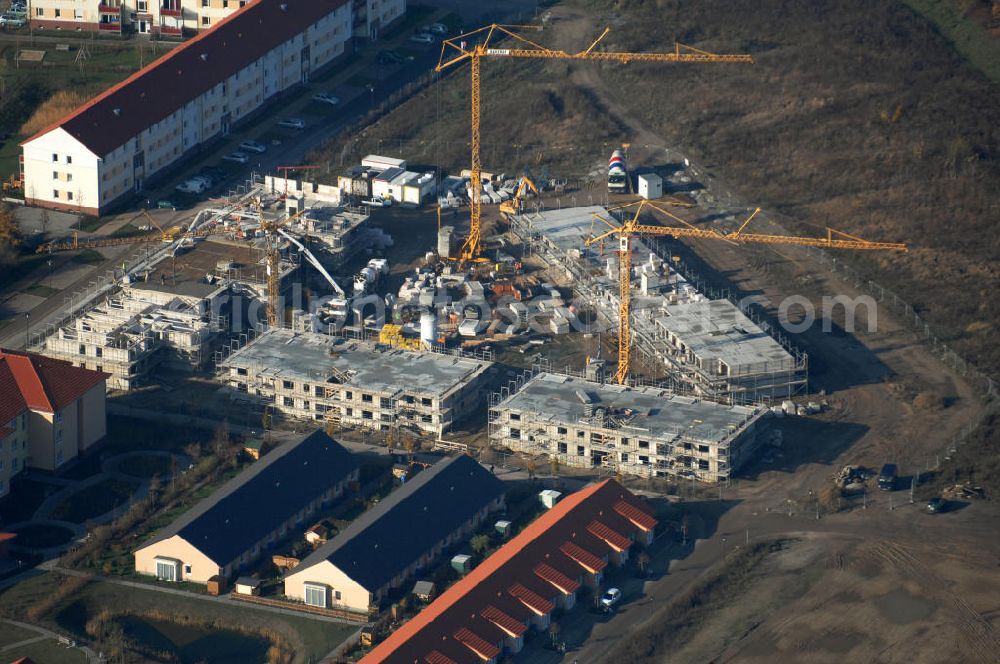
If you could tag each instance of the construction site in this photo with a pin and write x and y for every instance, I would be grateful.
(643, 430)
(342, 382)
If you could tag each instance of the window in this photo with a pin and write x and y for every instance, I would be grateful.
(515, 434)
(58, 13)
(314, 594)
(367, 398)
(562, 448)
(579, 434)
(69, 177)
(703, 449)
(55, 175)
(288, 401)
(166, 570)
(581, 450)
(366, 414)
(348, 395)
(205, 21)
(644, 444)
(426, 402)
(305, 388)
(69, 195)
(58, 417)
(69, 159)
(55, 193)
(187, 569)
(562, 431)
(287, 384)
(516, 417)
(55, 157)
(336, 595)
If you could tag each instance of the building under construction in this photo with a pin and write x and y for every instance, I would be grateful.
(646, 431)
(169, 312)
(345, 382)
(707, 347)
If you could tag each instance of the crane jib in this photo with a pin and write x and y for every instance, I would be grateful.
(498, 51)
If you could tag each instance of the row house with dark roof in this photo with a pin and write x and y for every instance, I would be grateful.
(487, 614)
(165, 18)
(230, 529)
(398, 538)
(133, 133)
(50, 412)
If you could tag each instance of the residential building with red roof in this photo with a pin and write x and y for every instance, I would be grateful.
(134, 132)
(488, 612)
(50, 412)
(165, 18)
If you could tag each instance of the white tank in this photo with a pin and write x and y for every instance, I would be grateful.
(428, 328)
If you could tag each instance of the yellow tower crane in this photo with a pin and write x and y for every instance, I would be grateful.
(474, 46)
(631, 227)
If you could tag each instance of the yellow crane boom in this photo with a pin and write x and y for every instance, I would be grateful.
(461, 48)
(632, 228)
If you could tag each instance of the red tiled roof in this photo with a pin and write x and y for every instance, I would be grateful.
(553, 576)
(584, 558)
(511, 626)
(11, 402)
(612, 537)
(477, 644)
(531, 599)
(507, 580)
(167, 84)
(48, 384)
(435, 657)
(637, 516)
(4, 431)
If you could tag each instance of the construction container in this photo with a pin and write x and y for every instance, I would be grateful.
(549, 498)
(462, 563)
(382, 163)
(650, 186)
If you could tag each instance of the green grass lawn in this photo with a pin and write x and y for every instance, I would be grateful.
(12, 634)
(89, 257)
(94, 501)
(24, 498)
(316, 638)
(969, 38)
(48, 651)
(42, 537)
(146, 466)
(41, 290)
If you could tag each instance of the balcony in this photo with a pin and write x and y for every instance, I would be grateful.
(170, 11)
(104, 8)
(109, 27)
(168, 30)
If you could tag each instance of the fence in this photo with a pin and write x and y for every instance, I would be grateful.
(339, 614)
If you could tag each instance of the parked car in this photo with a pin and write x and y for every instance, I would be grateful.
(193, 186)
(378, 202)
(388, 58)
(166, 204)
(936, 504)
(887, 477)
(253, 146)
(236, 157)
(611, 597)
(292, 123)
(423, 38)
(11, 21)
(326, 98)
(438, 28)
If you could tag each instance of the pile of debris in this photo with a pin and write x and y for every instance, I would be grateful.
(851, 479)
(963, 491)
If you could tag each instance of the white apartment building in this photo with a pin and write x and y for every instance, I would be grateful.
(147, 17)
(110, 147)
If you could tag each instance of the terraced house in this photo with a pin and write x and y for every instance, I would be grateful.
(50, 412)
(228, 530)
(131, 134)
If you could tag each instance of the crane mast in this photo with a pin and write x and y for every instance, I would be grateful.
(631, 227)
(458, 49)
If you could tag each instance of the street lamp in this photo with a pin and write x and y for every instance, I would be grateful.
(27, 319)
(49, 261)
(371, 93)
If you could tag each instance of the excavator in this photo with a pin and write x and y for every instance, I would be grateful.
(514, 205)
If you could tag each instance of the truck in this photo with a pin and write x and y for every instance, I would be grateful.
(887, 477)
(617, 173)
